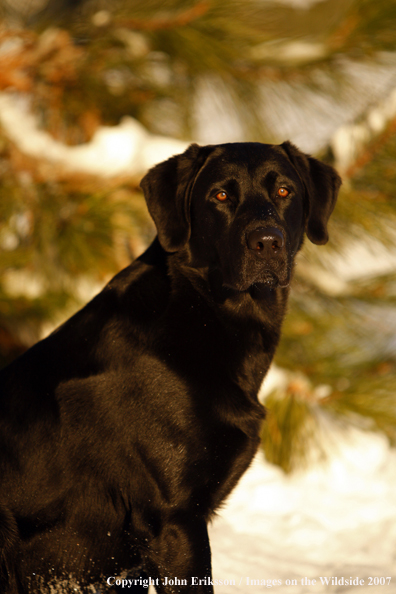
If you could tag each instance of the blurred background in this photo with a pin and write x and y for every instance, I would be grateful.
(93, 92)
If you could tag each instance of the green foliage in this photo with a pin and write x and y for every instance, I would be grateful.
(54, 237)
(371, 407)
(342, 340)
(148, 59)
(375, 180)
(373, 27)
(291, 432)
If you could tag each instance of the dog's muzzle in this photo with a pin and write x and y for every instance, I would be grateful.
(269, 246)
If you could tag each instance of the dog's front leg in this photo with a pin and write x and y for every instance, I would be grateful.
(180, 558)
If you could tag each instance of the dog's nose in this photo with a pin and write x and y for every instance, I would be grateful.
(266, 241)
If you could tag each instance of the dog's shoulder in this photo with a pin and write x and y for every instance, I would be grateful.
(125, 307)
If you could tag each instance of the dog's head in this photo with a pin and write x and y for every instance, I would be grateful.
(242, 208)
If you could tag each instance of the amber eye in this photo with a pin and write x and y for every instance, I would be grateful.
(222, 196)
(283, 192)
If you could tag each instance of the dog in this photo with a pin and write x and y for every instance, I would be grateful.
(124, 430)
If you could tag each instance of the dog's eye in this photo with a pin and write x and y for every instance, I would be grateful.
(222, 196)
(283, 192)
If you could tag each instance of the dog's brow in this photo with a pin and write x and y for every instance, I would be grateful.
(269, 179)
(229, 184)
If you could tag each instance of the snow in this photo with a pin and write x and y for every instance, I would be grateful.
(337, 519)
(349, 140)
(126, 149)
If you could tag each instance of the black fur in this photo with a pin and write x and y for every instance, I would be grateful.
(124, 430)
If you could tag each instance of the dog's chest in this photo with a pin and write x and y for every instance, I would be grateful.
(203, 432)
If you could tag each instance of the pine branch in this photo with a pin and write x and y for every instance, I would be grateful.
(157, 24)
(291, 433)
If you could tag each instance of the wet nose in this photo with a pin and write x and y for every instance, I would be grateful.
(266, 241)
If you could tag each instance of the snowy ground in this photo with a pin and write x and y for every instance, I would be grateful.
(337, 520)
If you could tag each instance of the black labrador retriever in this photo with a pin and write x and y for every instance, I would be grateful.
(124, 430)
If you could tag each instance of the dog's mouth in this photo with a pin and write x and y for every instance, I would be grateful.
(273, 280)
(267, 278)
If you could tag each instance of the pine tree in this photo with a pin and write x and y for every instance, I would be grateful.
(85, 63)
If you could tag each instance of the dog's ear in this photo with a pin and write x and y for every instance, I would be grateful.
(167, 189)
(322, 184)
